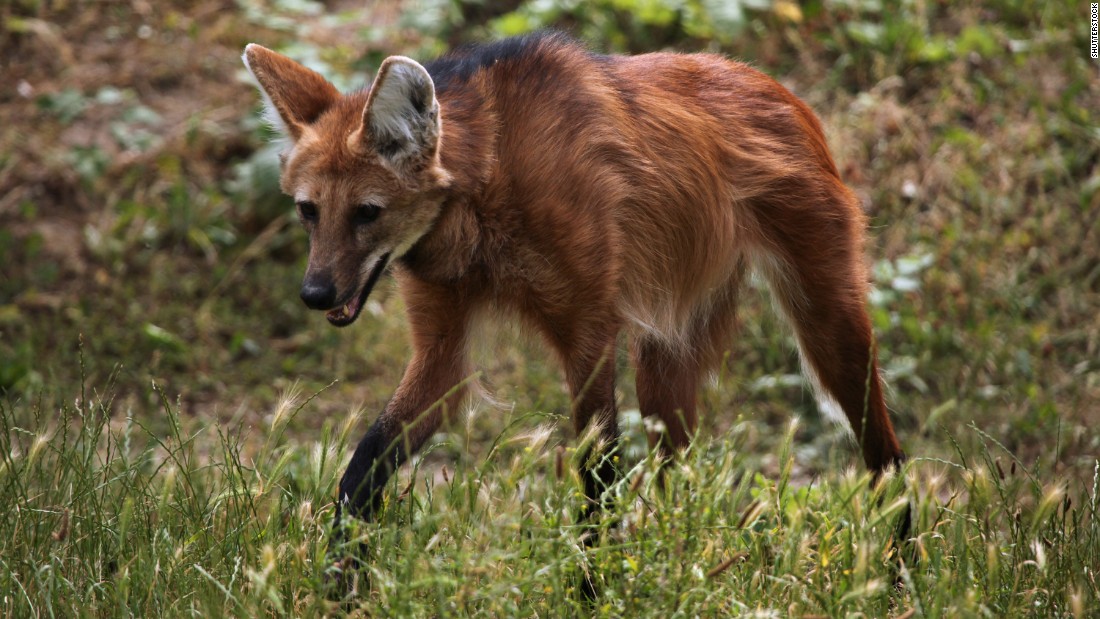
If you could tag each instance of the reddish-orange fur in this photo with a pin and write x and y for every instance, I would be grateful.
(591, 194)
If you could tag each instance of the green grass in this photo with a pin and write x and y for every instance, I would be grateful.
(143, 242)
(109, 517)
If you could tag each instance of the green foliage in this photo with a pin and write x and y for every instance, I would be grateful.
(285, 15)
(155, 515)
(145, 514)
(618, 25)
(629, 24)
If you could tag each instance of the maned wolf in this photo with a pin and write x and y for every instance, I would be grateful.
(587, 194)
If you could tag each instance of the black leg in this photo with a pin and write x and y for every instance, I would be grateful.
(375, 459)
(599, 471)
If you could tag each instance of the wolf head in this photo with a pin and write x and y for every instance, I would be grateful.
(363, 169)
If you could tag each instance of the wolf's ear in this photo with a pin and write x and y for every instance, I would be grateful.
(295, 95)
(401, 119)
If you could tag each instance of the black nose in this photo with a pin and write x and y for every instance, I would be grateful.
(318, 291)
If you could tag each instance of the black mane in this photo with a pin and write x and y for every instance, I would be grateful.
(459, 65)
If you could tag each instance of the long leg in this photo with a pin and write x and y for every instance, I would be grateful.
(590, 372)
(583, 333)
(431, 388)
(667, 383)
(816, 271)
(588, 353)
(669, 374)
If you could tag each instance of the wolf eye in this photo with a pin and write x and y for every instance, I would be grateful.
(307, 211)
(366, 213)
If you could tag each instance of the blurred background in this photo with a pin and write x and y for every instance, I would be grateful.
(143, 238)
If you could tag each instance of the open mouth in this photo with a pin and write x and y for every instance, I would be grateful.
(347, 313)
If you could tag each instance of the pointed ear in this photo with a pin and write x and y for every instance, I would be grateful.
(401, 119)
(295, 95)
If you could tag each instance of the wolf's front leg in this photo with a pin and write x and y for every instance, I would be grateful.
(431, 389)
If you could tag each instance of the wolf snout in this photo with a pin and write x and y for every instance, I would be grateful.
(318, 291)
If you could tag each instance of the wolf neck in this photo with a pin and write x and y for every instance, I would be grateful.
(467, 151)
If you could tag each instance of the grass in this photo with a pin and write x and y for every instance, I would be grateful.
(174, 420)
(112, 518)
